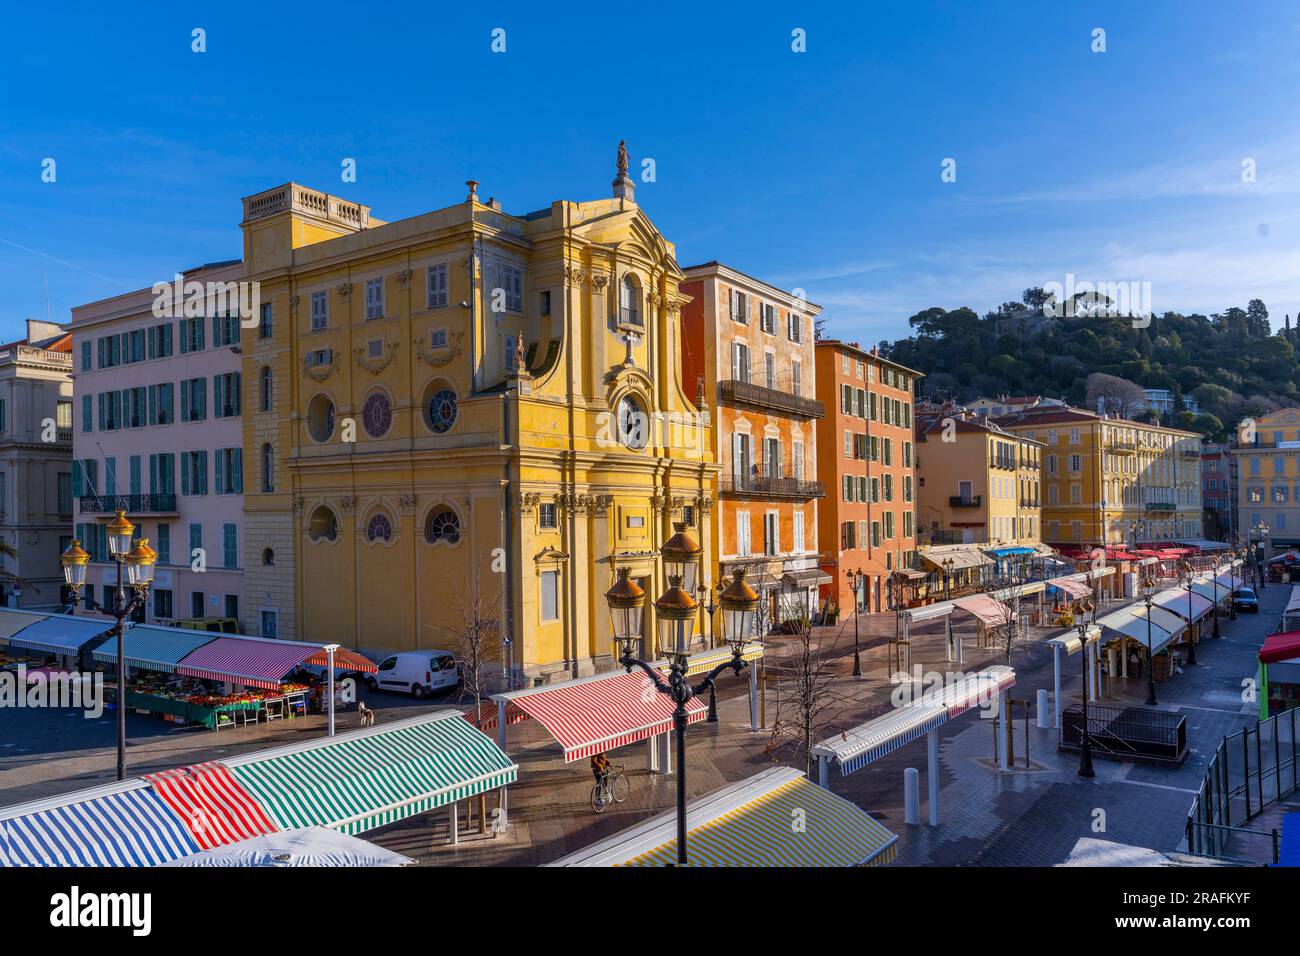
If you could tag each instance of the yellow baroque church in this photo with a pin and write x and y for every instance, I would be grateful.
(465, 403)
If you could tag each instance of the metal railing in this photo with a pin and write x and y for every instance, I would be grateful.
(163, 503)
(737, 392)
(1250, 770)
(1127, 733)
(957, 501)
(760, 486)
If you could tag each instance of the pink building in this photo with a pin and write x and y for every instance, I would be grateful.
(157, 432)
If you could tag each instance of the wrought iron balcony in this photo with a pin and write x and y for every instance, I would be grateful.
(1161, 506)
(131, 504)
(748, 395)
(957, 501)
(761, 486)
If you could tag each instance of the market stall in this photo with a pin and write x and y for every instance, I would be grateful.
(851, 750)
(747, 824)
(363, 779)
(122, 824)
(310, 846)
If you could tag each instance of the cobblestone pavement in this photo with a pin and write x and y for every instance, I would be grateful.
(1028, 816)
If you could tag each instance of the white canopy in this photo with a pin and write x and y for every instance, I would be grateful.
(311, 846)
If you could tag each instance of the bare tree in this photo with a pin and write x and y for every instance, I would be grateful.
(1116, 396)
(1007, 634)
(808, 693)
(477, 638)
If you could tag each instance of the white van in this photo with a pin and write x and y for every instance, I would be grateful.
(417, 673)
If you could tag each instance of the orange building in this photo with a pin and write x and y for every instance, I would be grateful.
(747, 348)
(867, 523)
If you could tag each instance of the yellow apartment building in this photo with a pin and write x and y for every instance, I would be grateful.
(465, 398)
(977, 483)
(1109, 481)
(1268, 479)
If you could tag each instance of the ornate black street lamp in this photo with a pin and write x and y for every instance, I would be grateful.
(1232, 583)
(1085, 742)
(1185, 576)
(1148, 592)
(139, 562)
(856, 577)
(1215, 570)
(676, 610)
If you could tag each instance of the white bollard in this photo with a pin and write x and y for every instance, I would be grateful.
(911, 795)
(1044, 714)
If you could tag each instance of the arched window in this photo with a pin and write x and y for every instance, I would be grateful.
(629, 301)
(268, 468)
(323, 525)
(377, 414)
(267, 388)
(268, 557)
(442, 525)
(379, 528)
(440, 407)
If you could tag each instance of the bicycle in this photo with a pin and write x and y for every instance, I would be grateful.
(613, 788)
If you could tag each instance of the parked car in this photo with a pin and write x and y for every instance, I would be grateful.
(1244, 600)
(418, 673)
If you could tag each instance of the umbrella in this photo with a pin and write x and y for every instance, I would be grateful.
(310, 846)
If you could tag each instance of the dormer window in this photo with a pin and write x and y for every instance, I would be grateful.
(629, 301)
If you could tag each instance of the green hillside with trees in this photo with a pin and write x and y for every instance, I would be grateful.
(1232, 362)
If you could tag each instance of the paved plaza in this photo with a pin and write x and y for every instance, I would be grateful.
(1028, 816)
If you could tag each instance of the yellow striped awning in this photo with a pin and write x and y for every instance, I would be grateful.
(775, 818)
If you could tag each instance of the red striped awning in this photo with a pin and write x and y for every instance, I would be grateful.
(242, 660)
(211, 804)
(344, 661)
(1075, 589)
(589, 716)
(989, 610)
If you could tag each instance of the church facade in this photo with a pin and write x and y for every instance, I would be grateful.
(465, 417)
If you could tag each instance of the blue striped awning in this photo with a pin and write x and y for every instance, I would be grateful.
(154, 648)
(60, 634)
(120, 827)
(1009, 552)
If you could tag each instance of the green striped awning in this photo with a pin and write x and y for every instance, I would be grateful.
(364, 779)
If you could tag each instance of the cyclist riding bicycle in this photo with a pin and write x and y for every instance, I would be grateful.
(600, 766)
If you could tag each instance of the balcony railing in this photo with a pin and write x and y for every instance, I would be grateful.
(1030, 503)
(1006, 463)
(1123, 447)
(957, 501)
(761, 486)
(131, 504)
(1161, 506)
(748, 395)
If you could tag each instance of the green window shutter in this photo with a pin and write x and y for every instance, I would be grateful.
(203, 472)
(185, 472)
(220, 456)
(238, 470)
(77, 467)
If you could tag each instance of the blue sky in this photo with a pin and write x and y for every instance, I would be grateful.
(816, 170)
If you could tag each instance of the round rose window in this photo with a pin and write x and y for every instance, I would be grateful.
(442, 410)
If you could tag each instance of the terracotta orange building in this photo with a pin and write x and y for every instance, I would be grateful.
(865, 455)
(747, 351)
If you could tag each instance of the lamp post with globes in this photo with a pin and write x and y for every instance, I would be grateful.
(1148, 593)
(138, 560)
(856, 578)
(676, 611)
(1232, 583)
(1085, 743)
(1214, 568)
(1186, 577)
